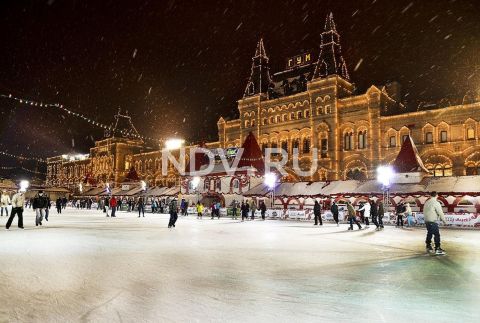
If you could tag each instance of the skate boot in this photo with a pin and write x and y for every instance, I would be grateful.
(429, 249)
(439, 252)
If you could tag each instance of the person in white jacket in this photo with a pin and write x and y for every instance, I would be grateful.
(432, 213)
(4, 202)
(18, 202)
(366, 213)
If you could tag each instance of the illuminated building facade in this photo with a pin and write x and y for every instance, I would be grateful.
(313, 105)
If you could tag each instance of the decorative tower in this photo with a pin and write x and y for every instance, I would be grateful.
(330, 61)
(260, 74)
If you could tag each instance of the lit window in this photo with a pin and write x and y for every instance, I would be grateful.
(443, 136)
(392, 141)
(470, 133)
(429, 137)
(404, 137)
(306, 145)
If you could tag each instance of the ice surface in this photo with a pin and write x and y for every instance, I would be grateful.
(81, 266)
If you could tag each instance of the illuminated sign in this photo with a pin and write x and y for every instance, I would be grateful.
(299, 60)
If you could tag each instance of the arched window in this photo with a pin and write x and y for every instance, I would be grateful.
(328, 109)
(307, 113)
(278, 119)
(285, 145)
(272, 120)
(265, 121)
(285, 117)
(319, 111)
(348, 141)
(206, 185)
(306, 145)
(292, 115)
(252, 123)
(392, 142)
(299, 115)
(219, 185)
(295, 143)
(362, 139)
(356, 174)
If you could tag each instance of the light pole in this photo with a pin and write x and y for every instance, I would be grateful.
(384, 176)
(195, 182)
(270, 180)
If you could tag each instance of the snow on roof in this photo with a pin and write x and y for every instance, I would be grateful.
(460, 184)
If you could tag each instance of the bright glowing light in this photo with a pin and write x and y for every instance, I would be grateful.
(270, 180)
(195, 182)
(80, 187)
(385, 175)
(108, 187)
(144, 185)
(172, 144)
(24, 185)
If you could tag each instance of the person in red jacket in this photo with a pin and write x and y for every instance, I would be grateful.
(113, 206)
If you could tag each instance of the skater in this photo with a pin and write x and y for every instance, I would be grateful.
(374, 214)
(4, 202)
(39, 206)
(400, 210)
(212, 208)
(18, 200)
(234, 210)
(253, 208)
(317, 213)
(409, 214)
(263, 209)
(173, 213)
(352, 218)
(380, 213)
(47, 209)
(199, 210)
(244, 211)
(141, 207)
(432, 212)
(113, 206)
(334, 210)
(58, 205)
(366, 213)
(217, 209)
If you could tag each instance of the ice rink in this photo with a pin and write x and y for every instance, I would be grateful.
(81, 266)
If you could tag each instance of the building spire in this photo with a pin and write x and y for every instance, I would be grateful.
(330, 61)
(260, 73)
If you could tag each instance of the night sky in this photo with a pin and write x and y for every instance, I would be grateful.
(177, 66)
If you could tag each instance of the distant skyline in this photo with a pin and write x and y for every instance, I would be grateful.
(178, 66)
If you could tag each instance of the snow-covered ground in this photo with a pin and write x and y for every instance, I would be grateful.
(81, 266)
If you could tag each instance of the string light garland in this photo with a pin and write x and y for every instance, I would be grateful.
(59, 106)
(23, 158)
(22, 168)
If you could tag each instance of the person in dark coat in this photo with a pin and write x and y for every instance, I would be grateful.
(244, 211)
(317, 213)
(141, 207)
(380, 214)
(263, 209)
(58, 205)
(173, 210)
(334, 210)
(39, 205)
(374, 214)
(352, 218)
(400, 210)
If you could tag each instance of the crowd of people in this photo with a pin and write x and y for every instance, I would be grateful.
(371, 210)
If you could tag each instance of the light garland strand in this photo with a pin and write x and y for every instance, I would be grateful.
(22, 168)
(76, 114)
(40, 160)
